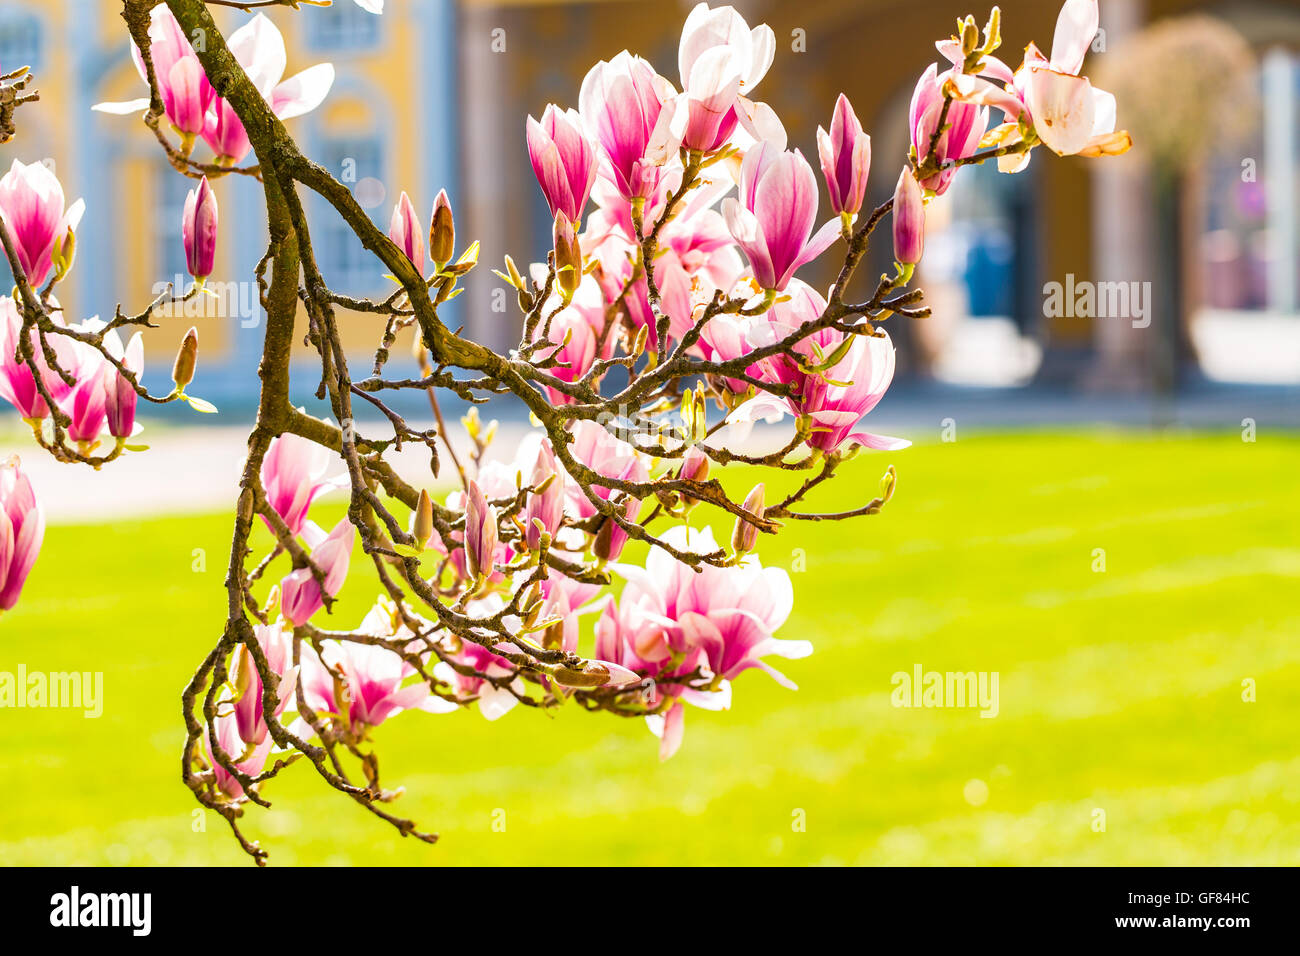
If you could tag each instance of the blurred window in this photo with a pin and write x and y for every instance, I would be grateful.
(168, 213)
(1249, 247)
(344, 262)
(20, 40)
(342, 26)
(980, 276)
(980, 242)
(1249, 241)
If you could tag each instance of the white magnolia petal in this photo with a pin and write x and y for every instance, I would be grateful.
(124, 108)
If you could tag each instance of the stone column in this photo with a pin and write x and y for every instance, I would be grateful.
(1122, 239)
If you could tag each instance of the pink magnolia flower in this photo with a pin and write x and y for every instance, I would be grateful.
(564, 160)
(31, 204)
(774, 216)
(963, 127)
(293, 474)
(495, 480)
(730, 614)
(909, 219)
(22, 529)
(259, 49)
(600, 451)
(728, 337)
(845, 155)
(547, 508)
(300, 592)
(480, 532)
(87, 403)
(575, 337)
(620, 633)
(199, 230)
(494, 701)
(376, 682)
(407, 234)
(119, 397)
(17, 384)
(622, 102)
(834, 399)
(248, 760)
(186, 93)
(612, 537)
(672, 621)
(721, 61)
(277, 646)
(562, 597)
(1066, 112)
(697, 256)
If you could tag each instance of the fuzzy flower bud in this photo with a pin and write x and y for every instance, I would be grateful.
(442, 232)
(745, 535)
(186, 358)
(422, 527)
(568, 256)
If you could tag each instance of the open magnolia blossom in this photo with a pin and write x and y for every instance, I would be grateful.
(191, 104)
(580, 572)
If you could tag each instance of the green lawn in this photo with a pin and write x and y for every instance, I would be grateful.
(1120, 691)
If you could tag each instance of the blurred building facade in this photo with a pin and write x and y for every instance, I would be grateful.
(434, 93)
(994, 241)
(388, 124)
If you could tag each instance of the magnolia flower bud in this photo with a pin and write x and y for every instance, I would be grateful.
(592, 674)
(404, 229)
(970, 36)
(300, 593)
(442, 232)
(568, 254)
(611, 538)
(993, 31)
(422, 527)
(24, 530)
(516, 279)
(199, 230)
(480, 532)
(745, 535)
(120, 397)
(63, 252)
(845, 155)
(909, 220)
(186, 358)
(563, 159)
(695, 467)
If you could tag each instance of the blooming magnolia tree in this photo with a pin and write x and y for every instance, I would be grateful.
(665, 319)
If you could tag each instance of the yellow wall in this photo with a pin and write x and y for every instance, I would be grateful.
(127, 182)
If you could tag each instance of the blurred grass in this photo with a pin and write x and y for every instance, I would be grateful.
(1120, 691)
